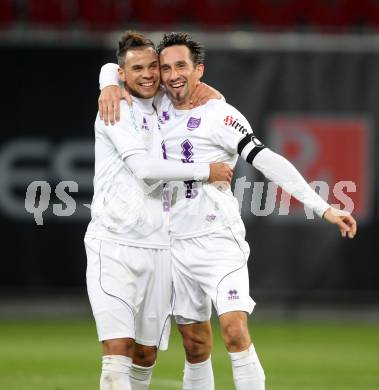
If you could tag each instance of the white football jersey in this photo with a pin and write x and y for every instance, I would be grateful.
(214, 132)
(126, 209)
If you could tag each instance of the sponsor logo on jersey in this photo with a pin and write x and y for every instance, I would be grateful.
(233, 294)
(230, 121)
(193, 123)
(164, 117)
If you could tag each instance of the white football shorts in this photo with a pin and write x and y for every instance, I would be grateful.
(130, 291)
(211, 269)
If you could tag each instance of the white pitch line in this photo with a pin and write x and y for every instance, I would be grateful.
(171, 383)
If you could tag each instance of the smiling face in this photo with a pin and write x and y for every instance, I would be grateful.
(140, 72)
(179, 74)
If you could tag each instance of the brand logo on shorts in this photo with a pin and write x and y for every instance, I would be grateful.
(230, 121)
(233, 294)
(193, 123)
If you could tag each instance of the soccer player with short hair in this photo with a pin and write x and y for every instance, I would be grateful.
(208, 247)
(127, 243)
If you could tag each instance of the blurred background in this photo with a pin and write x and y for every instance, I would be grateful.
(305, 74)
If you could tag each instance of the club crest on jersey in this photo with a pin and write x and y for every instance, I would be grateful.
(230, 121)
(164, 117)
(233, 294)
(193, 123)
(144, 124)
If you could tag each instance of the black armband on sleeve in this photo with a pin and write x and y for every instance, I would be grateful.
(249, 147)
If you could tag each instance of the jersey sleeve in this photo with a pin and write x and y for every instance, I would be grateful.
(232, 131)
(130, 145)
(108, 75)
(125, 134)
(280, 171)
(145, 167)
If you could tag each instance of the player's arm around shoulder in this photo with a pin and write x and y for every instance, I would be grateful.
(216, 105)
(203, 93)
(123, 122)
(130, 121)
(112, 90)
(125, 135)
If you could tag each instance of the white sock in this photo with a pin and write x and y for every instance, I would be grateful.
(115, 373)
(198, 376)
(248, 373)
(140, 377)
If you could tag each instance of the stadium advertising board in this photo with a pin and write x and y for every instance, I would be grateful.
(333, 154)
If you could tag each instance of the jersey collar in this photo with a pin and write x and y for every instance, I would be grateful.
(146, 105)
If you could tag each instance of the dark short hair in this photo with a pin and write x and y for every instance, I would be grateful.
(180, 38)
(131, 40)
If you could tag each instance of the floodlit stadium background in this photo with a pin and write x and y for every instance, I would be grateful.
(306, 75)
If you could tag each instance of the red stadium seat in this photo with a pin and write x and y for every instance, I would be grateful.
(217, 13)
(331, 15)
(7, 13)
(104, 14)
(57, 13)
(369, 12)
(278, 14)
(160, 13)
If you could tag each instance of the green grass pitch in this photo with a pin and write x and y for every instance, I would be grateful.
(64, 355)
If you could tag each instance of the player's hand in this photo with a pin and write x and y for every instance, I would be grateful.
(202, 93)
(346, 223)
(220, 172)
(109, 103)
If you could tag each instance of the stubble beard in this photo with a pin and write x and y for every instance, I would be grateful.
(177, 98)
